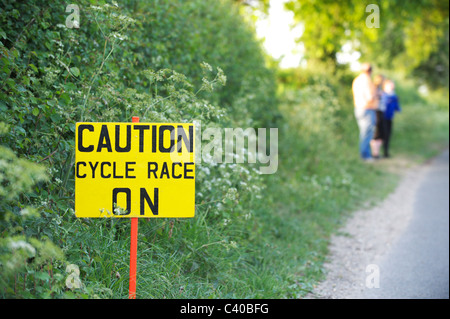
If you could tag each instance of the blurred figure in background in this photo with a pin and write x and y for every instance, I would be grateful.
(390, 104)
(365, 100)
(377, 141)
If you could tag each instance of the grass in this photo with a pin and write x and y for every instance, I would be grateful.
(311, 211)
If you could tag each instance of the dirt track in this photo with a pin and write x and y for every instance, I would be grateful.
(384, 240)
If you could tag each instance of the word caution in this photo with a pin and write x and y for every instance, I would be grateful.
(135, 170)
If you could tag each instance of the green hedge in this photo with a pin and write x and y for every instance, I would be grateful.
(160, 60)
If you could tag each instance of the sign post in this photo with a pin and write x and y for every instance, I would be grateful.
(134, 170)
(133, 247)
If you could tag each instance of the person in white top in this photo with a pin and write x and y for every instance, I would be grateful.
(366, 101)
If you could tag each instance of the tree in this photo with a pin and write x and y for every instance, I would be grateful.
(411, 36)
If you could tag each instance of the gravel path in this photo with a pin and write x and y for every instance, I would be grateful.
(368, 236)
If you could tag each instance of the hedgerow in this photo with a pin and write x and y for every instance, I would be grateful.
(163, 61)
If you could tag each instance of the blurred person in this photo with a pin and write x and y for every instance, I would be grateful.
(377, 140)
(365, 102)
(390, 104)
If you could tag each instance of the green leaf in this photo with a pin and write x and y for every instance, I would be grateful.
(11, 83)
(64, 99)
(75, 71)
(32, 66)
(42, 275)
(20, 129)
(35, 111)
(51, 103)
(21, 89)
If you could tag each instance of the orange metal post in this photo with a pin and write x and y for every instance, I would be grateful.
(133, 247)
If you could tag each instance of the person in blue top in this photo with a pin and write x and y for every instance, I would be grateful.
(389, 104)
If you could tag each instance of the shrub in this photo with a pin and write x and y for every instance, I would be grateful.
(141, 59)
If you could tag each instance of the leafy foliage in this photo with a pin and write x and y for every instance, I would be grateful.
(411, 36)
(143, 59)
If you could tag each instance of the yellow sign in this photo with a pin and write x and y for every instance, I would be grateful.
(134, 170)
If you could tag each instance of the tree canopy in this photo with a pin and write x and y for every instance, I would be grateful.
(411, 36)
